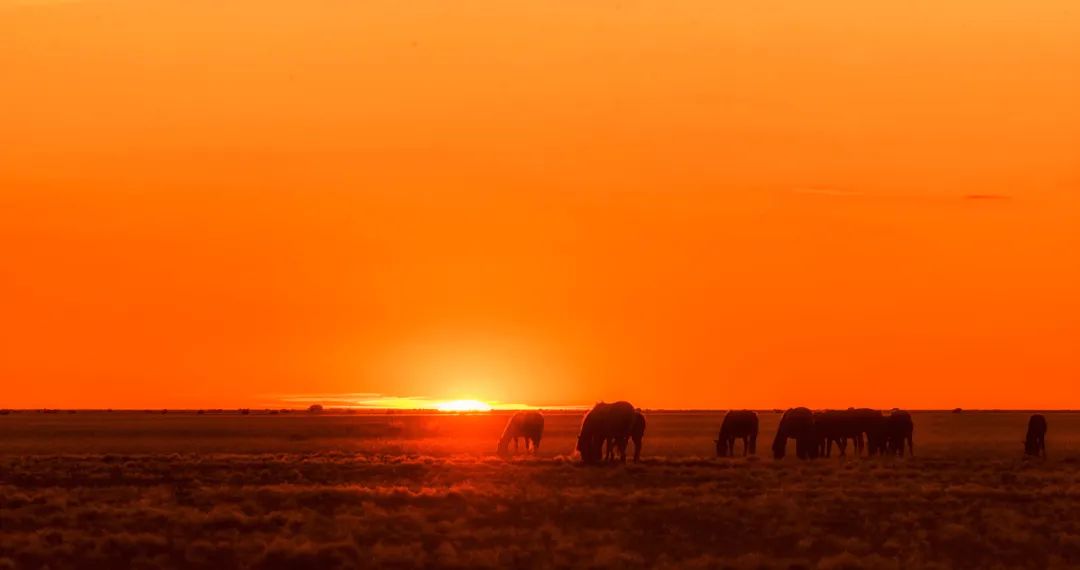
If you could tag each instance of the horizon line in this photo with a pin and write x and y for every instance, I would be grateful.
(357, 409)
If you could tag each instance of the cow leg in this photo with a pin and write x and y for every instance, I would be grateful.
(637, 449)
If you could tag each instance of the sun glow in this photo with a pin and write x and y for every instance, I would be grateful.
(463, 406)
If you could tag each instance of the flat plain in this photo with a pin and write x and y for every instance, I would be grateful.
(224, 490)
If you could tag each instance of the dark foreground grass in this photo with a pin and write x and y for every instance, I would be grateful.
(341, 510)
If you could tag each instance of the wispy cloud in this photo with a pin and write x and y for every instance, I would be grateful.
(38, 2)
(370, 400)
(831, 191)
(825, 191)
(987, 197)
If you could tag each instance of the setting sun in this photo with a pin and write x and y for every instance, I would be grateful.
(463, 406)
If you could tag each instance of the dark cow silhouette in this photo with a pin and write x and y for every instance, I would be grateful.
(738, 424)
(869, 424)
(798, 424)
(835, 426)
(610, 424)
(637, 433)
(1035, 442)
(527, 425)
(899, 428)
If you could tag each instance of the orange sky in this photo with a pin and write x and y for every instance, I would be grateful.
(683, 203)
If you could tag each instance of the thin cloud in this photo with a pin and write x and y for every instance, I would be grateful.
(35, 3)
(370, 400)
(825, 191)
(987, 197)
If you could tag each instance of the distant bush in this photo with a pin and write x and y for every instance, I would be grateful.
(315, 409)
(244, 411)
(957, 411)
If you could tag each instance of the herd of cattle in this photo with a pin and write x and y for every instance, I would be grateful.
(607, 429)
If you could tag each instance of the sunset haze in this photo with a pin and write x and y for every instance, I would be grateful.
(684, 204)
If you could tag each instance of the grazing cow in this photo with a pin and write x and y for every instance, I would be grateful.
(637, 432)
(610, 424)
(834, 426)
(868, 423)
(527, 425)
(1035, 442)
(797, 423)
(738, 424)
(899, 429)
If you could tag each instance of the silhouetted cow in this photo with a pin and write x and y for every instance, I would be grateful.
(636, 434)
(1035, 442)
(898, 429)
(871, 424)
(834, 426)
(738, 424)
(610, 424)
(527, 425)
(797, 423)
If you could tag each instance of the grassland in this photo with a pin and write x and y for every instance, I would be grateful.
(97, 490)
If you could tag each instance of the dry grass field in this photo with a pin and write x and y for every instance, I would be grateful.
(124, 489)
